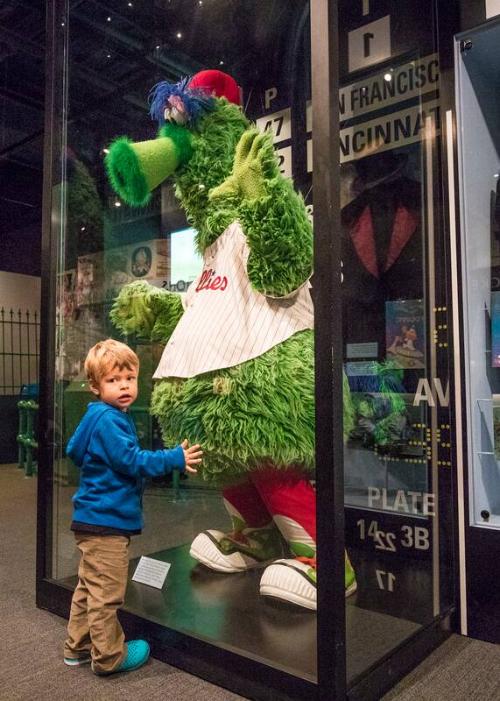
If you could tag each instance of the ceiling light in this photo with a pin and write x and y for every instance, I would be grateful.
(82, 228)
(108, 19)
(221, 63)
(118, 203)
(129, 4)
(179, 35)
(105, 150)
(157, 47)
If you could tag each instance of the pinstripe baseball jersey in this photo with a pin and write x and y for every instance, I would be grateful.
(226, 321)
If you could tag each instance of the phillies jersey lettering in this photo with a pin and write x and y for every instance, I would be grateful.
(226, 321)
(210, 281)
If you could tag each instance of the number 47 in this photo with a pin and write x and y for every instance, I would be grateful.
(277, 130)
(386, 580)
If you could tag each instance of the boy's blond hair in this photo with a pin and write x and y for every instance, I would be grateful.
(107, 355)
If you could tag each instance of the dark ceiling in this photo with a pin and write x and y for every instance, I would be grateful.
(22, 57)
(118, 49)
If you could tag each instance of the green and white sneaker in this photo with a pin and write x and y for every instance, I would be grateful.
(237, 551)
(295, 581)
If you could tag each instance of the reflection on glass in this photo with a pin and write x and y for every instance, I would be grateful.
(211, 227)
(479, 142)
(395, 326)
(195, 249)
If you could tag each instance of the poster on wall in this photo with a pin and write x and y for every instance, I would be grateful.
(67, 301)
(101, 275)
(496, 425)
(495, 329)
(405, 336)
(89, 279)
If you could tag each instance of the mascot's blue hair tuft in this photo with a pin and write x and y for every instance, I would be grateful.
(196, 101)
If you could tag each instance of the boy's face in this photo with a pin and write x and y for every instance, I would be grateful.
(117, 387)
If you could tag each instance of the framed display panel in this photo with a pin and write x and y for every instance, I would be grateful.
(398, 460)
(479, 140)
(396, 524)
(478, 143)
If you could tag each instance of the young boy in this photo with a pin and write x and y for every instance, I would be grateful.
(108, 509)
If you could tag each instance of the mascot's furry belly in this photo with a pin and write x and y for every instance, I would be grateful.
(237, 375)
(258, 412)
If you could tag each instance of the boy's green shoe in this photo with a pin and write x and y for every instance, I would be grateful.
(137, 655)
(237, 551)
(295, 581)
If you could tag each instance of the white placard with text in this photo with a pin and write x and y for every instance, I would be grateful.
(492, 8)
(152, 572)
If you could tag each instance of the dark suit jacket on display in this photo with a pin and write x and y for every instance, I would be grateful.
(381, 256)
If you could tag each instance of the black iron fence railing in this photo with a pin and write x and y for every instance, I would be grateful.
(19, 349)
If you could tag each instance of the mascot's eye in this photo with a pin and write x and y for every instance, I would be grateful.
(175, 111)
(173, 115)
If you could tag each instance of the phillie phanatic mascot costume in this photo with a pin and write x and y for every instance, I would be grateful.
(236, 374)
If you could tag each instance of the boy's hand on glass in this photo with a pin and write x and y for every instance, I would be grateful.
(192, 455)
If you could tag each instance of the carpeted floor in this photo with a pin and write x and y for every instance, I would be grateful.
(30, 650)
(31, 666)
(461, 669)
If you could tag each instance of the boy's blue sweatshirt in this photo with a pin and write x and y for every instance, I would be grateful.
(113, 468)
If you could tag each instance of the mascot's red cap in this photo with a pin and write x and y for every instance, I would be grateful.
(217, 83)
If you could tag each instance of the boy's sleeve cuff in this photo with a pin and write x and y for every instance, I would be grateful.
(179, 463)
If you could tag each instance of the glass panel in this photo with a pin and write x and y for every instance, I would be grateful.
(397, 457)
(479, 153)
(246, 393)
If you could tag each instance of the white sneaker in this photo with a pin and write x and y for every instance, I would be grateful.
(295, 581)
(237, 552)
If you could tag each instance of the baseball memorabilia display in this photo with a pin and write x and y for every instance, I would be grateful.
(237, 370)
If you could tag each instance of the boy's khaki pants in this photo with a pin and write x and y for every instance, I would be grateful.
(102, 580)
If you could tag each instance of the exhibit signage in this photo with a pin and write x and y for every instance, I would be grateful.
(387, 132)
(405, 84)
(369, 44)
(152, 572)
(409, 502)
(433, 396)
(492, 8)
(409, 80)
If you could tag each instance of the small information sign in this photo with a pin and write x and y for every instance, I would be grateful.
(151, 572)
(492, 8)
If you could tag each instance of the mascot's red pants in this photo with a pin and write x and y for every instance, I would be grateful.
(272, 492)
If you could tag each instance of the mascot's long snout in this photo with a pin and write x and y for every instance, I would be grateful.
(135, 169)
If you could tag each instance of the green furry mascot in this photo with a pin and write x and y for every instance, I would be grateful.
(237, 374)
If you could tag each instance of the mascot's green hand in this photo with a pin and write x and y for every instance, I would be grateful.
(254, 163)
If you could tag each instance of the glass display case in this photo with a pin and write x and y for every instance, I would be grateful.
(479, 148)
(376, 421)
(398, 457)
(478, 141)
